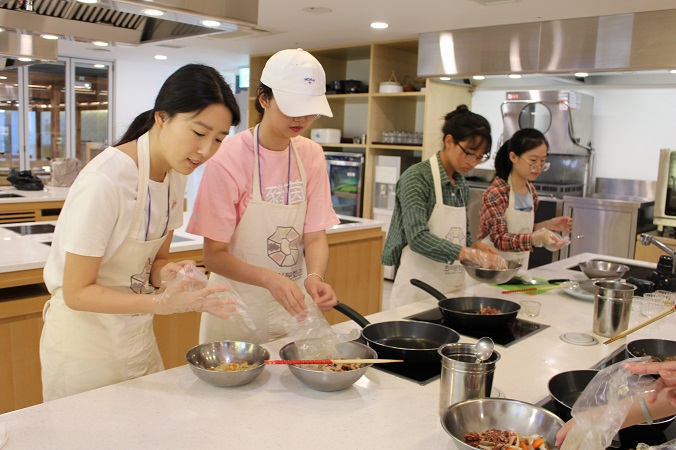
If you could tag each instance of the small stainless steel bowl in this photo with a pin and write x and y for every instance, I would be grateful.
(330, 381)
(483, 414)
(203, 357)
(597, 268)
(493, 276)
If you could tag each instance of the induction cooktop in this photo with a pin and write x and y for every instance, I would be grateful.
(38, 228)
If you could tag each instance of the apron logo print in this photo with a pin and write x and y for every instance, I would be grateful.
(139, 282)
(456, 235)
(283, 246)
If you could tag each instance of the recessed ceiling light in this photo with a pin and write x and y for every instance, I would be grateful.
(672, 71)
(88, 1)
(317, 10)
(210, 23)
(153, 12)
(514, 75)
(1, 30)
(379, 25)
(25, 59)
(2, 77)
(50, 37)
(581, 74)
(100, 66)
(479, 77)
(445, 78)
(160, 57)
(100, 43)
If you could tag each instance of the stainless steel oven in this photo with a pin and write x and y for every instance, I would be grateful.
(665, 196)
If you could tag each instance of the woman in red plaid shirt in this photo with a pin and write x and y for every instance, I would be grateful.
(508, 205)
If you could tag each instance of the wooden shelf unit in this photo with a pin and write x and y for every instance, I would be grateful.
(374, 112)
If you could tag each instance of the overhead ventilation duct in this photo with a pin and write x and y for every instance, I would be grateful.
(124, 21)
(21, 49)
(623, 42)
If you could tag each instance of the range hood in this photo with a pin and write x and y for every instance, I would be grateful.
(123, 21)
(624, 42)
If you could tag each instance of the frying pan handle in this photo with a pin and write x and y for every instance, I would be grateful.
(427, 288)
(352, 314)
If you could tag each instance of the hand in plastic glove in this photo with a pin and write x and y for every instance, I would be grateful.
(180, 296)
(288, 294)
(322, 293)
(548, 239)
(484, 247)
(562, 224)
(170, 270)
(667, 372)
(483, 259)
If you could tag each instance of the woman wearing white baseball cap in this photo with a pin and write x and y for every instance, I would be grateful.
(264, 204)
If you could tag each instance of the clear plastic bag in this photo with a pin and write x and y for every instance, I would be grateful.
(604, 404)
(314, 337)
(198, 280)
(671, 445)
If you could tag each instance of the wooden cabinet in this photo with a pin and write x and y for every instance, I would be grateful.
(372, 113)
(30, 211)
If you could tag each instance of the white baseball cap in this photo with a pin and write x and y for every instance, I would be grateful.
(298, 83)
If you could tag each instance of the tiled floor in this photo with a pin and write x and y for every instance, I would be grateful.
(387, 289)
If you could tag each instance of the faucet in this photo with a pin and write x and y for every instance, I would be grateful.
(646, 239)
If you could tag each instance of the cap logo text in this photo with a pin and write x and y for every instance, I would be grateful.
(309, 80)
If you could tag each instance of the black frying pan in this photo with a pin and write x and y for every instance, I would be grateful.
(657, 348)
(462, 311)
(414, 342)
(566, 387)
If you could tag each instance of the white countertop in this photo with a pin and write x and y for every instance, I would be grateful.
(48, 194)
(174, 409)
(30, 252)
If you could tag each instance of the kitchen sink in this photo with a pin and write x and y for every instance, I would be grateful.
(10, 195)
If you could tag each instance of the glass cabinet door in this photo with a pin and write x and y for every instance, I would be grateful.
(9, 121)
(92, 121)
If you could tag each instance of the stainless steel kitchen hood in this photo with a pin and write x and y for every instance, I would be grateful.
(29, 48)
(623, 42)
(123, 21)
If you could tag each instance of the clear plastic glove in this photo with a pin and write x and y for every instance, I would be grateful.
(548, 239)
(188, 291)
(483, 259)
(603, 406)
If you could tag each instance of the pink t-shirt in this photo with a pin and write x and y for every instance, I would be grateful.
(227, 186)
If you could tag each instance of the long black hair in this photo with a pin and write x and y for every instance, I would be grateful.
(522, 141)
(265, 91)
(190, 89)
(464, 125)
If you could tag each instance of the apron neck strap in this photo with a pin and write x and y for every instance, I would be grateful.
(436, 177)
(143, 157)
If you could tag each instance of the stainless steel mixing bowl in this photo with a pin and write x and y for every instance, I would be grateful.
(203, 357)
(597, 268)
(493, 276)
(482, 414)
(330, 381)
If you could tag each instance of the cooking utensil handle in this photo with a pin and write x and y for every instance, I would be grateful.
(427, 288)
(351, 314)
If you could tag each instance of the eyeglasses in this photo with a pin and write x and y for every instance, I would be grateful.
(536, 167)
(309, 117)
(471, 158)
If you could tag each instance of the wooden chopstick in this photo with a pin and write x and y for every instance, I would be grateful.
(654, 318)
(331, 361)
(540, 289)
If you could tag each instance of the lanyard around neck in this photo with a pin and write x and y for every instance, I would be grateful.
(288, 169)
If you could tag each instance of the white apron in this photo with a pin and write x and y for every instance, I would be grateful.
(446, 222)
(518, 222)
(269, 235)
(80, 351)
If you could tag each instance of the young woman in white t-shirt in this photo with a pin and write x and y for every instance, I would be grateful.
(264, 204)
(112, 238)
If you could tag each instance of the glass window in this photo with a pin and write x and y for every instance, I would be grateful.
(91, 109)
(9, 121)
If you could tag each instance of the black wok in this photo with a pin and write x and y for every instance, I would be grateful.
(657, 348)
(462, 311)
(566, 387)
(414, 342)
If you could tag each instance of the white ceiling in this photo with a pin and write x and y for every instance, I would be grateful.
(348, 23)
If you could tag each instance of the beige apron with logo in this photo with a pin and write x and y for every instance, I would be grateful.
(80, 351)
(518, 222)
(446, 222)
(269, 235)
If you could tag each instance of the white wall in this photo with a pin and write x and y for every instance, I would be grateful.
(136, 86)
(630, 126)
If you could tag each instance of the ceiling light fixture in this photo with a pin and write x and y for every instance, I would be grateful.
(514, 75)
(25, 59)
(672, 71)
(100, 43)
(50, 37)
(210, 23)
(317, 10)
(445, 78)
(153, 12)
(479, 77)
(100, 66)
(91, 2)
(379, 25)
(160, 57)
(581, 74)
